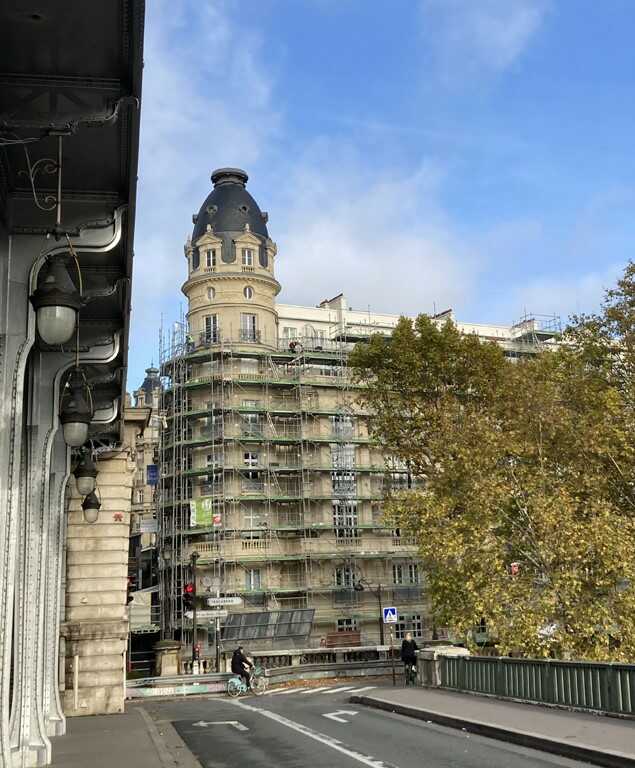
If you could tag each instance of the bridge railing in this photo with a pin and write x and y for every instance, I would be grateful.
(583, 685)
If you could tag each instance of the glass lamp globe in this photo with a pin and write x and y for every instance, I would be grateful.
(85, 475)
(75, 413)
(75, 433)
(91, 506)
(56, 303)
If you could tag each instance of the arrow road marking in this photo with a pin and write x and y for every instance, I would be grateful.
(234, 724)
(323, 738)
(336, 715)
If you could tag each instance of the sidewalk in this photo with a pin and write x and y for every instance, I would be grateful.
(605, 741)
(130, 740)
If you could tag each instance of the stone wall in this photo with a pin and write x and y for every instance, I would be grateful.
(96, 616)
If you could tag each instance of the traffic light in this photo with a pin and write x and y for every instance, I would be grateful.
(189, 593)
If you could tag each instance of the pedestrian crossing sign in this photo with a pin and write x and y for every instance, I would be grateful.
(390, 615)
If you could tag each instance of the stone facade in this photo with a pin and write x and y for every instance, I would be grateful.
(95, 626)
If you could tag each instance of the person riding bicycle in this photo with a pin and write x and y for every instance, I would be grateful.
(241, 665)
(409, 656)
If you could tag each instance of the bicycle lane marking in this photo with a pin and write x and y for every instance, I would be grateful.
(322, 738)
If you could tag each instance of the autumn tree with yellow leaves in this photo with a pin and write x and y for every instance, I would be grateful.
(524, 505)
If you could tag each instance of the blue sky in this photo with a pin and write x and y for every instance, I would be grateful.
(412, 153)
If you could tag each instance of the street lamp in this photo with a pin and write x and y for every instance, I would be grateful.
(56, 303)
(85, 474)
(75, 413)
(359, 586)
(91, 506)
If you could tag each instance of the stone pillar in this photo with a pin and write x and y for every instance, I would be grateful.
(96, 625)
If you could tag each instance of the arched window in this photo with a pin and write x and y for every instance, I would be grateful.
(211, 293)
(196, 259)
(248, 292)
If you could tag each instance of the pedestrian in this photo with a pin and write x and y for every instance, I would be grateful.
(409, 650)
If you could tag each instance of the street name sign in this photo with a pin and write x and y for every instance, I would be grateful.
(207, 615)
(218, 601)
(390, 615)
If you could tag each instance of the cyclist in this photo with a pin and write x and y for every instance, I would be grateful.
(409, 657)
(241, 665)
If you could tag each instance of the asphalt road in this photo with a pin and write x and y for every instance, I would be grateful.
(316, 728)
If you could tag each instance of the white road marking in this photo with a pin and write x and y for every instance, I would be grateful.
(323, 738)
(366, 688)
(337, 716)
(284, 691)
(317, 690)
(337, 690)
(234, 724)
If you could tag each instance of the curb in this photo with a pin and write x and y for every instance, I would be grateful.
(571, 749)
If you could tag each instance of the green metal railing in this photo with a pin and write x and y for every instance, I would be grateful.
(577, 684)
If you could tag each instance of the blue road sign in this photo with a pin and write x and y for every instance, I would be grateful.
(390, 615)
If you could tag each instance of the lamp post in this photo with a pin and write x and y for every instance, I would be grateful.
(194, 624)
(359, 586)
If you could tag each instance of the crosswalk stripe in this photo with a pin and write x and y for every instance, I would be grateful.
(365, 688)
(284, 691)
(337, 690)
(317, 690)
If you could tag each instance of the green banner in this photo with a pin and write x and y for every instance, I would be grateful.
(202, 513)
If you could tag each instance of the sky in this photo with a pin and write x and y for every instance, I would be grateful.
(413, 154)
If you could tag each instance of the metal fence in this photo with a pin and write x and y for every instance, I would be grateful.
(577, 684)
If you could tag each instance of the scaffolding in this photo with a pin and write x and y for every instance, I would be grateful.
(247, 428)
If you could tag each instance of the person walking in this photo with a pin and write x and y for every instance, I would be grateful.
(409, 658)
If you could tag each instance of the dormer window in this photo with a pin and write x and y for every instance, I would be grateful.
(248, 257)
(210, 258)
(196, 260)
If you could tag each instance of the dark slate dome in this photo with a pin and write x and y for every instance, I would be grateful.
(151, 381)
(229, 206)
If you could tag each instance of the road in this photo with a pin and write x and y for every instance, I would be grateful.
(319, 728)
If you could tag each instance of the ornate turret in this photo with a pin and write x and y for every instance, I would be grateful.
(231, 286)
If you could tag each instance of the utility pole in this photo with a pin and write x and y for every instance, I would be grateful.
(381, 615)
(194, 624)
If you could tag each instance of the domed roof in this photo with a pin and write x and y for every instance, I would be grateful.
(229, 206)
(151, 381)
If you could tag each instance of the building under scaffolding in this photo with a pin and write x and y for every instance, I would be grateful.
(267, 469)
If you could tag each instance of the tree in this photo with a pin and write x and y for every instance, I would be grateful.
(527, 462)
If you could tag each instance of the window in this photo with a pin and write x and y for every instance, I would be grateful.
(289, 333)
(251, 403)
(410, 622)
(345, 519)
(248, 292)
(252, 578)
(248, 327)
(210, 258)
(212, 329)
(196, 260)
(248, 257)
(139, 499)
(342, 425)
(213, 459)
(343, 483)
(344, 576)
(347, 625)
(413, 573)
(256, 522)
(397, 574)
(250, 459)
(211, 293)
(251, 424)
(342, 456)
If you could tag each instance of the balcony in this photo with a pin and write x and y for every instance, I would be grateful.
(248, 335)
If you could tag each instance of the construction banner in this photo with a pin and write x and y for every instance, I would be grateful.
(203, 515)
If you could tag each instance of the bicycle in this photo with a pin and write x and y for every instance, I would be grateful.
(257, 683)
(410, 674)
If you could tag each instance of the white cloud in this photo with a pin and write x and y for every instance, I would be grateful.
(207, 102)
(469, 37)
(383, 241)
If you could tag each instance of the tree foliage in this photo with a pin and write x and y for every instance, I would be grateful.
(529, 462)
